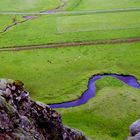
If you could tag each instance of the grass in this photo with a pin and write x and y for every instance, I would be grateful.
(28, 5)
(97, 22)
(70, 28)
(5, 20)
(56, 75)
(108, 115)
(41, 5)
(8, 20)
(100, 4)
(55, 29)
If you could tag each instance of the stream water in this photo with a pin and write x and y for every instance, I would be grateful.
(91, 91)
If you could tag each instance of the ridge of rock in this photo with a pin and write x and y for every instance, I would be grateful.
(24, 119)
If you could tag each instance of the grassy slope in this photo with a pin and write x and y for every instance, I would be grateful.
(108, 115)
(50, 29)
(100, 4)
(55, 75)
(28, 5)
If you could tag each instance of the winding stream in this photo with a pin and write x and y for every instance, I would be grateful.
(91, 91)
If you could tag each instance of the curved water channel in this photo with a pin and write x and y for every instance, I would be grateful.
(91, 91)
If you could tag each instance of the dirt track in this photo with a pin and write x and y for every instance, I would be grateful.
(73, 44)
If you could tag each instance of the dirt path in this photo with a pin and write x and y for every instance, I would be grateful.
(59, 11)
(73, 44)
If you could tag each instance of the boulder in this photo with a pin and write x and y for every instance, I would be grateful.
(135, 128)
(137, 137)
(129, 138)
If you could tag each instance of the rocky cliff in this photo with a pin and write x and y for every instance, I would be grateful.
(24, 119)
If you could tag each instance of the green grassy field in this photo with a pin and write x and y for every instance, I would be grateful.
(71, 28)
(61, 74)
(100, 4)
(98, 22)
(8, 20)
(28, 5)
(5, 20)
(41, 5)
(56, 29)
(55, 75)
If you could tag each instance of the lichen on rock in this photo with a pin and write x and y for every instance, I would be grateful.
(24, 119)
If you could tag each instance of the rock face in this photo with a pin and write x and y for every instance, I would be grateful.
(23, 119)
